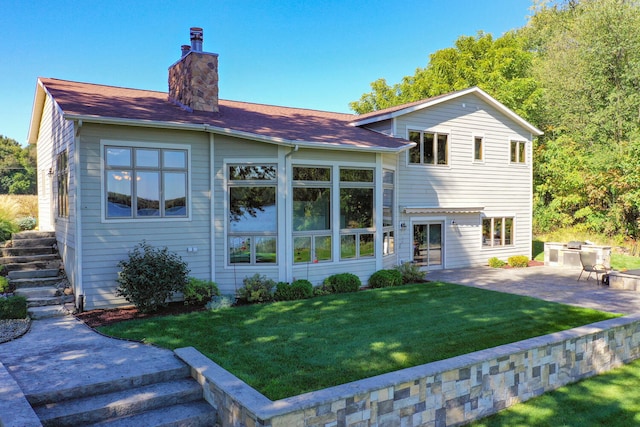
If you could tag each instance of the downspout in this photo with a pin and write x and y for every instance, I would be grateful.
(287, 229)
(212, 176)
(78, 285)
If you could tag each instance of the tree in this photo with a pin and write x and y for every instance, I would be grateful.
(17, 168)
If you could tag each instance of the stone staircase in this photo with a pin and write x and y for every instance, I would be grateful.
(35, 272)
(167, 398)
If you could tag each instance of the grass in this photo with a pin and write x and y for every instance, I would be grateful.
(287, 348)
(611, 399)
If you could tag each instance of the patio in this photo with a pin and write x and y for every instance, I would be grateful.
(558, 284)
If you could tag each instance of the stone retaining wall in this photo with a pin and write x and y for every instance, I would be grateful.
(444, 393)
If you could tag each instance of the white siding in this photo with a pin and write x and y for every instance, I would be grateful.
(502, 188)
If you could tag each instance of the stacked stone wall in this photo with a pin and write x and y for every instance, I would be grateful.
(193, 81)
(446, 393)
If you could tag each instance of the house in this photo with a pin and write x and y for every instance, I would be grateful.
(237, 188)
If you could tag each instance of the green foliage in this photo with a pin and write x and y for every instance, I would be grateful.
(199, 291)
(343, 283)
(518, 261)
(17, 167)
(150, 276)
(299, 289)
(257, 288)
(411, 272)
(385, 278)
(9, 209)
(495, 262)
(4, 285)
(13, 307)
(27, 223)
(323, 289)
(221, 301)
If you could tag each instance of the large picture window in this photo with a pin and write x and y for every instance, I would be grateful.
(356, 213)
(431, 148)
(145, 182)
(388, 243)
(252, 214)
(497, 231)
(62, 181)
(311, 214)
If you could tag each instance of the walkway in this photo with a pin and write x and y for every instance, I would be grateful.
(557, 284)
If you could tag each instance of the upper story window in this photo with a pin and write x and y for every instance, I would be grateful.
(62, 180)
(252, 214)
(145, 182)
(518, 152)
(431, 148)
(478, 149)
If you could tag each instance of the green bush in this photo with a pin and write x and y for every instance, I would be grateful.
(385, 278)
(150, 276)
(27, 223)
(411, 272)
(4, 285)
(257, 288)
(13, 307)
(299, 289)
(343, 282)
(321, 290)
(199, 291)
(496, 262)
(221, 301)
(518, 261)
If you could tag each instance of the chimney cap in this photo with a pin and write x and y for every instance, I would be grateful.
(196, 39)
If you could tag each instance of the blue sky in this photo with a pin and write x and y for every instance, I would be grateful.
(318, 54)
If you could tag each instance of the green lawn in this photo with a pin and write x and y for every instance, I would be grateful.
(287, 348)
(611, 399)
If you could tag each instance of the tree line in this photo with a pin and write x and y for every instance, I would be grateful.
(574, 72)
(18, 173)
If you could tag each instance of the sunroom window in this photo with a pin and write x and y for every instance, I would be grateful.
(356, 213)
(143, 183)
(388, 242)
(252, 214)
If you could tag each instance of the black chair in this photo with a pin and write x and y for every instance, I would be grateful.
(590, 265)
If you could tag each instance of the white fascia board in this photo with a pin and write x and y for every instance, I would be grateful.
(36, 112)
(231, 132)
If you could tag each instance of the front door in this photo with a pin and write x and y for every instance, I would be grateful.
(428, 245)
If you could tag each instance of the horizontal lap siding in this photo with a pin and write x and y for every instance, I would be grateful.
(498, 186)
(105, 244)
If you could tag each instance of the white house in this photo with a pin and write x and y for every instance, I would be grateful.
(237, 188)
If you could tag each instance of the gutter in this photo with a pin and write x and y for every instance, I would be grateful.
(230, 132)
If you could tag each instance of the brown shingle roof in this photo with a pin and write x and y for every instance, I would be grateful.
(291, 125)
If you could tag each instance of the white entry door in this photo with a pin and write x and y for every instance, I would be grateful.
(428, 245)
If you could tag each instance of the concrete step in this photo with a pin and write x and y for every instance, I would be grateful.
(32, 283)
(35, 273)
(30, 243)
(192, 414)
(49, 301)
(30, 261)
(31, 251)
(48, 311)
(33, 235)
(38, 292)
(92, 409)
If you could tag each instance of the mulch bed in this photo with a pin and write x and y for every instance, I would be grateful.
(102, 317)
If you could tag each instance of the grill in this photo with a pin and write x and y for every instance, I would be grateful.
(574, 245)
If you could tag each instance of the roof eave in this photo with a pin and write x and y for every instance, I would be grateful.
(231, 132)
(36, 113)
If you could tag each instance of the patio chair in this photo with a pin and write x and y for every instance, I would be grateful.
(589, 265)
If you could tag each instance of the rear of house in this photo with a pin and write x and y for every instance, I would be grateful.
(238, 188)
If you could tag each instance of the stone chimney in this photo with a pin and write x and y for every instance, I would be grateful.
(193, 79)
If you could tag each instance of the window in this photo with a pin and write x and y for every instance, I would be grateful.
(431, 148)
(252, 214)
(356, 213)
(388, 242)
(311, 214)
(145, 182)
(518, 151)
(62, 180)
(478, 149)
(497, 232)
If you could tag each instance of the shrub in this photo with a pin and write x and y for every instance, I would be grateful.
(13, 307)
(343, 282)
(321, 290)
(150, 276)
(257, 288)
(199, 291)
(299, 289)
(411, 272)
(385, 278)
(518, 261)
(221, 301)
(9, 210)
(4, 285)
(496, 262)
(27, 223)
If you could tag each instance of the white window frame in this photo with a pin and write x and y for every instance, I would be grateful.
(150, 145)
(474, 137)
(519, 142)
(435, 133)
(502, 217)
